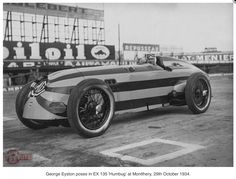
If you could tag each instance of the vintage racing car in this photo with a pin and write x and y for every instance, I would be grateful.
(87, 98)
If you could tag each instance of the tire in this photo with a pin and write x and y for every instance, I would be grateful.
(84, 111)
(21, 99)
(198, 93)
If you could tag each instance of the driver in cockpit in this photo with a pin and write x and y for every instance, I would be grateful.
(157, 60)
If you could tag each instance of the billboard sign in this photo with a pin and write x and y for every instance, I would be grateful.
(13, 50)
(10, 65)
(203, 58)
(141, 47)
(59, 10)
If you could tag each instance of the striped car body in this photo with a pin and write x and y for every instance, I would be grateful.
(136, 87)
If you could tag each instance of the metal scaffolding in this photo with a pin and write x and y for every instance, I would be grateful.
(26, 26)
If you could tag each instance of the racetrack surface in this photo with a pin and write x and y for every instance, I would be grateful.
(156, 138)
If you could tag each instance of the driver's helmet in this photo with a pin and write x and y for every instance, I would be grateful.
(152, 61)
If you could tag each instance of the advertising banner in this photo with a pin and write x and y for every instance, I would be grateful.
(203, 58)
(59, 64)
(56, 51)
(141, 47)
(61, 10)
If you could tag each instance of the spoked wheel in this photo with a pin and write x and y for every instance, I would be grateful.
(201, 93)
(94, 108)
(198, 93)
(90, 108)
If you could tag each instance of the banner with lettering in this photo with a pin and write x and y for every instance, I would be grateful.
(56, 51)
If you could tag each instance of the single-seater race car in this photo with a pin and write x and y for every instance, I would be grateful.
(86, 99)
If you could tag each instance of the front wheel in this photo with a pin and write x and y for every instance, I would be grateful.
(90, 107)
(21, 99)
(198, 93)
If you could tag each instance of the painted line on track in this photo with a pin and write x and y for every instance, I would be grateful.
(115, 137)
(220, 74)
(8, 118)
(187, 148)
(40, 158)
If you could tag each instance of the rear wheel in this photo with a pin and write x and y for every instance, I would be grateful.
(90, 108)
(21, 99)
(198, 93)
